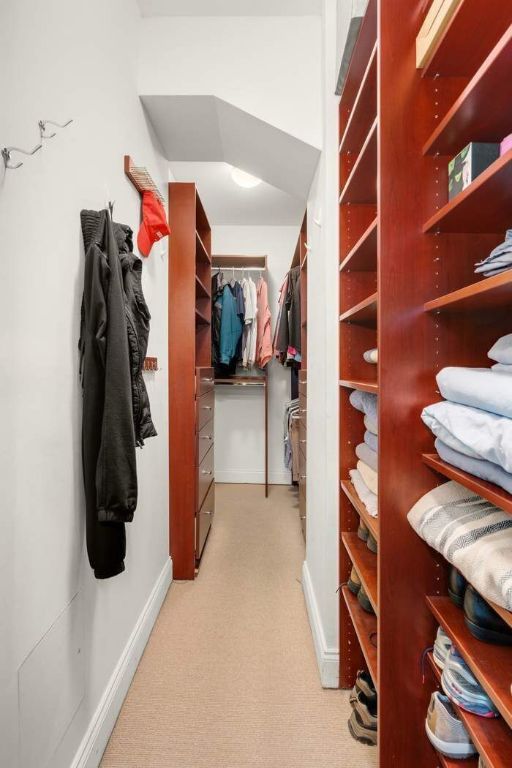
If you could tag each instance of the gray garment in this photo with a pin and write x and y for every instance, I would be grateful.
(498, 260)
(481, 468)
(372, 440)
(368, 456)
(108, 435)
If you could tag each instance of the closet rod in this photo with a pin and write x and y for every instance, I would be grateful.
(239, 269)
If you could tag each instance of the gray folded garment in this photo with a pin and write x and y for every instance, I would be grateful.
(369, 456)
(372, 425)
(366, 402)
(485, 470)
(372, 440)
(502, 368)
(498, 260)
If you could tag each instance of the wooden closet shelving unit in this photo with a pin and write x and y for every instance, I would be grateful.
(191, 381)
(407, 286)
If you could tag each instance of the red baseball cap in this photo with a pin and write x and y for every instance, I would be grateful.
(154, 223)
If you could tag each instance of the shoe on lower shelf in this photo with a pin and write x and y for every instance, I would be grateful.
(371, 543)
(364, 601)
(363, 531)
(367, 710)
(354, 582)
(444, 729)
(442, 647)
(361, 732)
(482, 763)
(364, 684)
(461, 687)
(457, 584)
(482, 621)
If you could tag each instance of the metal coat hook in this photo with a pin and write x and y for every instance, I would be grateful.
(6, 154)
(42, 127)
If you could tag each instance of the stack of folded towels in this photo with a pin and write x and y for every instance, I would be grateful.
(365, 477)
(473, 426)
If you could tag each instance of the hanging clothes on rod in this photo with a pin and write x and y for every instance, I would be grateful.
(287, 336)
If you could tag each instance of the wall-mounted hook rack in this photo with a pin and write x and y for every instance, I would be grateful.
(42, 127)
(6, 154)
(141, 178)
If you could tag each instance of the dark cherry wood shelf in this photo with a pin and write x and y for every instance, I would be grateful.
(364, 313)
(201, 252)
(361, 185)
(364, 111)
(363, 386)
(363, 256)
(452, 55)
(365, 625)
(202, 291)
(491, 664)
(451, 762)
(491, 293)
(491, 736)
(505, 615)
(489, 491)
(365, 563)
(201, 318)
(482, 111)
(371, 522)
(484, 206)
(360, 56)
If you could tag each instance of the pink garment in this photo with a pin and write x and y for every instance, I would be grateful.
(264, 338)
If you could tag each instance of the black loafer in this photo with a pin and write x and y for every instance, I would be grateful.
(457, 586)
(483, 622)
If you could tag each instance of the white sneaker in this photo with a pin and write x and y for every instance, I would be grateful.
(444, 729)
(442, 647)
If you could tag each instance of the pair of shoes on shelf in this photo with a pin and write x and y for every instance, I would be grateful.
(362, 723)
(442, 647)
(357, 589)
(364, 534)
(482, 621)
(463, 689)
(445, 730)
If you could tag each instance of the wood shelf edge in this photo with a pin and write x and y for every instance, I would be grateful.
(364, 625)
(456, 300)
(370, 304)
(371, 522)
(372, 133)
(360, 243)
(365, 563)
(363, 386)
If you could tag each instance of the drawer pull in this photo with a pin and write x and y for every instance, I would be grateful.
(303, 382)
(207, 381)
(303, 477)
(303, 441)
(206, 512)
(208, 437)
(207, 472)
(303, 517)
(302, 410)
(206, 407)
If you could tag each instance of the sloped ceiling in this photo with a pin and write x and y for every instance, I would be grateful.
(205, 128)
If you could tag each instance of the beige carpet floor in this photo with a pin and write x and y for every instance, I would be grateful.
(229, 677)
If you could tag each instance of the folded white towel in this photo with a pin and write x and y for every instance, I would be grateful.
(368, 498)
(502, 367)
(478, 387)
(369, 475)
(472, 534)
(371, 355)
(501, 351)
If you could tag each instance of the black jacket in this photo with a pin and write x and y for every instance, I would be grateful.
(108, 432)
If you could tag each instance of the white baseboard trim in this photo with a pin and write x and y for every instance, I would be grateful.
(102, 723)
(251, 476)
(328, 659)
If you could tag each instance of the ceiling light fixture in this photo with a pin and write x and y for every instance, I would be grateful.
(244, 179)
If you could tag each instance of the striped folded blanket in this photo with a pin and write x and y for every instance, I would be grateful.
(472, 534)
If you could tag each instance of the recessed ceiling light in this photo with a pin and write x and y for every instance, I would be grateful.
(244, 179)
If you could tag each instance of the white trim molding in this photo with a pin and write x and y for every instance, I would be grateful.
(328, 659)
(93, 744)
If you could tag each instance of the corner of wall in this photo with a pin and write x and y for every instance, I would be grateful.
(328, 659)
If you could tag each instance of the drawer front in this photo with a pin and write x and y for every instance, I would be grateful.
(302, 473)
(302, 512)
(205, 408)
(303, 382)
(204, 476)
(303, 408)
(303, 438)
(204, 520)
(204, 441)
(204, 381)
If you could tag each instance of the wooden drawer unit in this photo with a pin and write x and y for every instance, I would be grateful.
(302, 511)
(204, 519)
(205, 381)
(205, 476)
(303, 383)
(303, 410)
(303, 437)
(205, 408)
(205, 440)
(302, 473)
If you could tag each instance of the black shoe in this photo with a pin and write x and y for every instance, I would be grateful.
(456, 586)
(483, 622)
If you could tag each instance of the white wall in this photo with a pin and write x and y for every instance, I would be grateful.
(269, 67)
(321, 566)
(62, 59)
(239, 412)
